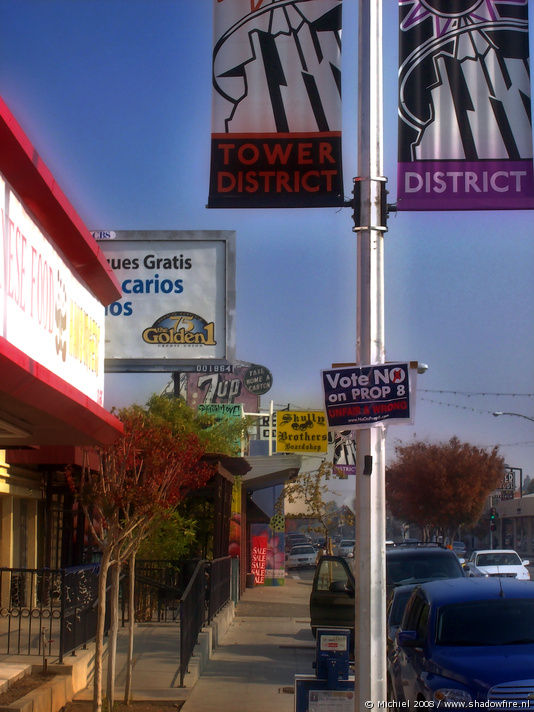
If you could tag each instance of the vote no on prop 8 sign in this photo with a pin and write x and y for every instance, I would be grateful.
(360, 396)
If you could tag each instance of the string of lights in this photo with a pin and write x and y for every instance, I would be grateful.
(469, 394)
(460, 407)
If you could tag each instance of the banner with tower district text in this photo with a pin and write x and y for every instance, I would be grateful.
(276, 104)
(465, 134)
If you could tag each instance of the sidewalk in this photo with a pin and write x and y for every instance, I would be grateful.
(156, 674)
(267, 644)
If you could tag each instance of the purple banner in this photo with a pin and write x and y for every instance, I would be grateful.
(466, 185)
(465, 133)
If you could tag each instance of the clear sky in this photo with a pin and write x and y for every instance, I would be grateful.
(116, 97)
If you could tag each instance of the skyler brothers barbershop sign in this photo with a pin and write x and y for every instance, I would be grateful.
(360, 396)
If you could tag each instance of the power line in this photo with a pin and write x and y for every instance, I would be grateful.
(469, 394)
(459, 407)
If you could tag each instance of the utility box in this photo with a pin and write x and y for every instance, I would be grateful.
(331, 689)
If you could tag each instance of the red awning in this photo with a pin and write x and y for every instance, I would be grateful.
(39, 408)
(29, 177)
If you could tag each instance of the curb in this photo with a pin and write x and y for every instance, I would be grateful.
(209, 639)
(51, 696)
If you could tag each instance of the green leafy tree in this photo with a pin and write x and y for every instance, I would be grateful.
(442, 486)
(171, 537)
(216, 435)
(311, 491)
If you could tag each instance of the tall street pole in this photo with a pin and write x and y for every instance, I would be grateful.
(369, 564)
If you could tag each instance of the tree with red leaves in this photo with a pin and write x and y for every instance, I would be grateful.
(145, 472)
(441, 486)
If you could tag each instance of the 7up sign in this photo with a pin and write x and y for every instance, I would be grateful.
(357, 397)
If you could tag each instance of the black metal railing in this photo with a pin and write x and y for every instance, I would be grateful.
(158, 588)
(192, 616)
(219, 572)
(79, 591)
(47, 611)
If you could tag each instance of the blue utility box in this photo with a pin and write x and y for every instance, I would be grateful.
(332, 687)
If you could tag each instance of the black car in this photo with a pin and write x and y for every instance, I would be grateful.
(333, 589)
(417, 564)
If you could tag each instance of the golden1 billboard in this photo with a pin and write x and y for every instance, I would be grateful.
(178, 298)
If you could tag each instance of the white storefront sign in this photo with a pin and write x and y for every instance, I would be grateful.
(46, 311)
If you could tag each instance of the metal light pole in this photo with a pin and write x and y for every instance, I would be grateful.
(370, 603)
(517, 415)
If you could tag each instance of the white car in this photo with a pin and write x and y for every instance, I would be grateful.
(497, 562)
(301, 556)
(346, 547)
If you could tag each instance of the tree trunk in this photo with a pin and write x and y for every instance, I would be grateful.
(100, 625)
(113, 631)
(131, 626)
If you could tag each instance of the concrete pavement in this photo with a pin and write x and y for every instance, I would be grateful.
(253, 668)
(268, 643)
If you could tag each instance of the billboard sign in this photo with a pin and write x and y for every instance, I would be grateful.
(221, 387)
(178, 300)
(45, 311)
(276, 104)
(301, 431)
(361, 396)
(508, 483)
(465, 133)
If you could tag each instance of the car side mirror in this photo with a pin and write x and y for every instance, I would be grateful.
(408, 639)
(338, 587)
(526, 562)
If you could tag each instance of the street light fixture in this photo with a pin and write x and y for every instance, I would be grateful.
(518, 415)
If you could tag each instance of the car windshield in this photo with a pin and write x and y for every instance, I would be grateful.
(297, 550)
(504, 558)
(496, 622)
(416, 570)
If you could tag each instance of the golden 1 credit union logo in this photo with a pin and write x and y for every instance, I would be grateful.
(180, 328)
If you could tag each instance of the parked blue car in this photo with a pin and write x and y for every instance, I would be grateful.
(466, 641)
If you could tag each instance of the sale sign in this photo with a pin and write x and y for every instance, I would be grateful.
(259, 558)
(360, 396)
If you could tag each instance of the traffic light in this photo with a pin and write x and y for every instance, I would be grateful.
(493, 519)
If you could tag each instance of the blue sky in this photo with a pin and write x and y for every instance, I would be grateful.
(116, 97)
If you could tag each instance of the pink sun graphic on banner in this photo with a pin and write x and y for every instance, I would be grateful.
(465, 129)
(452, 14)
